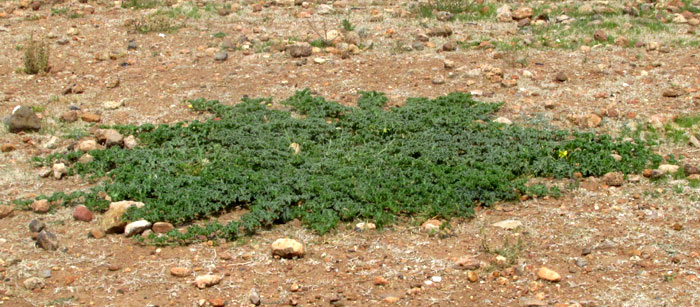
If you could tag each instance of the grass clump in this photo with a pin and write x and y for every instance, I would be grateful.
(140, 4)
(156, 23)
(36, 56)
(331, 163)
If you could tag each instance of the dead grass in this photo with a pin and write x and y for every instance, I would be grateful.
(36, 56)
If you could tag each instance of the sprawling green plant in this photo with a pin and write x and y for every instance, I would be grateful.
(332, 163)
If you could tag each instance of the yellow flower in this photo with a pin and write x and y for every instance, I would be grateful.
(563, 153)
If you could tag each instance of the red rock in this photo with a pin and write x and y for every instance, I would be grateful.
(217, 302)
(82, 213)
(162, 227)
(7, 147)
(90, 117)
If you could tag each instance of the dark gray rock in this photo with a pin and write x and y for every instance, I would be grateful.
(36, 226)
(24, 119)
(47, 240)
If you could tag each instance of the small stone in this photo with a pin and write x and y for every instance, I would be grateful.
(614, 179)
(362, 226)
(473, 276)
(87, 145)
(508, 224)
(561, 77)
(319, 60)
(391, 299)
(437, 80)
(59, 170)
(217, 302)
(221, 56)
(431, 226)
(36, 226)
(668, 168)
(600, 35)
(162, 227)
(580, 262)
(82, 213)
(503, 120)
(380, 281)
(132, 45)
(24, 119)
(90, 117)
(467, 263)
(112, 105)
(449, 46)
(41, 206)
(503, 14)
(522, 13)
(179, 271)
(5, 211)
(673, 92)
(96, 233)
(254, 297)
(109, 137)
(690, 169)
(294, 287)
(7, 147)
(299, 50)
(448, 64)
(112, 82)
(136, 227)
(69, 116)
(130, 142)
(113, 267)
(205, 281)
(548, 274)
(443, 31)
(591, 121)
(47, 240)
(287, 248)
(33, 283)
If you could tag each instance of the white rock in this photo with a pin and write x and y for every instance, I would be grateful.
(668, 168)
(59, 169)
(365, 226)
(508, 224)
(137, 227)
(124, 204)
(503, 120)
(207, 281)
(130, 142)
(112, 105)
(52, 142)
(503, 13)
(287, 248)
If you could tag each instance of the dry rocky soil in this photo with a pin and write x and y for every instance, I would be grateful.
(606, 66)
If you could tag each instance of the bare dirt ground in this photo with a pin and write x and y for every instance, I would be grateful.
(634, 245)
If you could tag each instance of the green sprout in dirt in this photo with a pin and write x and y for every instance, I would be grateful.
(332, 163)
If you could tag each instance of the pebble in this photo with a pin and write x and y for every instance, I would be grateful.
(136, 227)
(287, 248)
(690, 169)
(205, 281)
(41, 206)
(111, 220)
(217, 302)
(299, 50)
(5, 211)
(24, 119)
(581, 262)
(591, 121)
(112, 82)
(36, 226)
(448, 64)
(221, 56)
(467, 263)
(362, 226)
(130, 142)
(179, 271)
(548, 274)
(508, 224)
(132, 45)
(162, 227)
(33, 283)
(473, 276)
(503, 14)
(380, 281)
(614, 179)
(438, 80)
(90, 117)
(449, 46)
(112, 105)
(430, 226)
(87, 145)
(47, 240)
(561, 77)
(113, 267)
(59, 170)
(254, 297)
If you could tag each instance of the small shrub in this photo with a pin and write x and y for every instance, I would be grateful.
(156, 23)
(36, 56)
(347, 25)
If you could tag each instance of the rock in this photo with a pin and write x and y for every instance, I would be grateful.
(365, 226)
(591, 121)
(130, 142)
(5, 211)
(585, 9)
(503, 14)
(112, 105)
(86, 158)
(136, 227)
(205, 281)
(112, 82)
(522, 13)
(690, 169)
(622, 41)
(33, 283)
(449, 46)
(109, 137)
(437, 80)
(548, 274)
(581, 262)
(533, 302)
(679, 18)
(668, 168)
(217, 302)
(391, 299)
(7, 147)
(600, 35)
(90, 117)
(221, 56)
(324, 9)
(82, 213)
(24, 119)
(692, 140)
(254, 297)
(524, 22)
(132, 46)
(41, 206)
(467, 263)
(614, 179)
(473, 276)
(162, 227)
(508, 224)
(443, 31)
(111, 220)
(444, 16)
(96, 233)
(114, 267)
(673, 92)
(36, 226)
(319, 60)
(448, 64)
(179, 271)
(380, 281)
(561, 77)
(47, 240)
(503, 120)
(59, 170)
(299, 50)
(287, 248)
(430, 226)
(87, 145)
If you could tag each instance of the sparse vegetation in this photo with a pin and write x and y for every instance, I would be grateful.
(36, 56)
